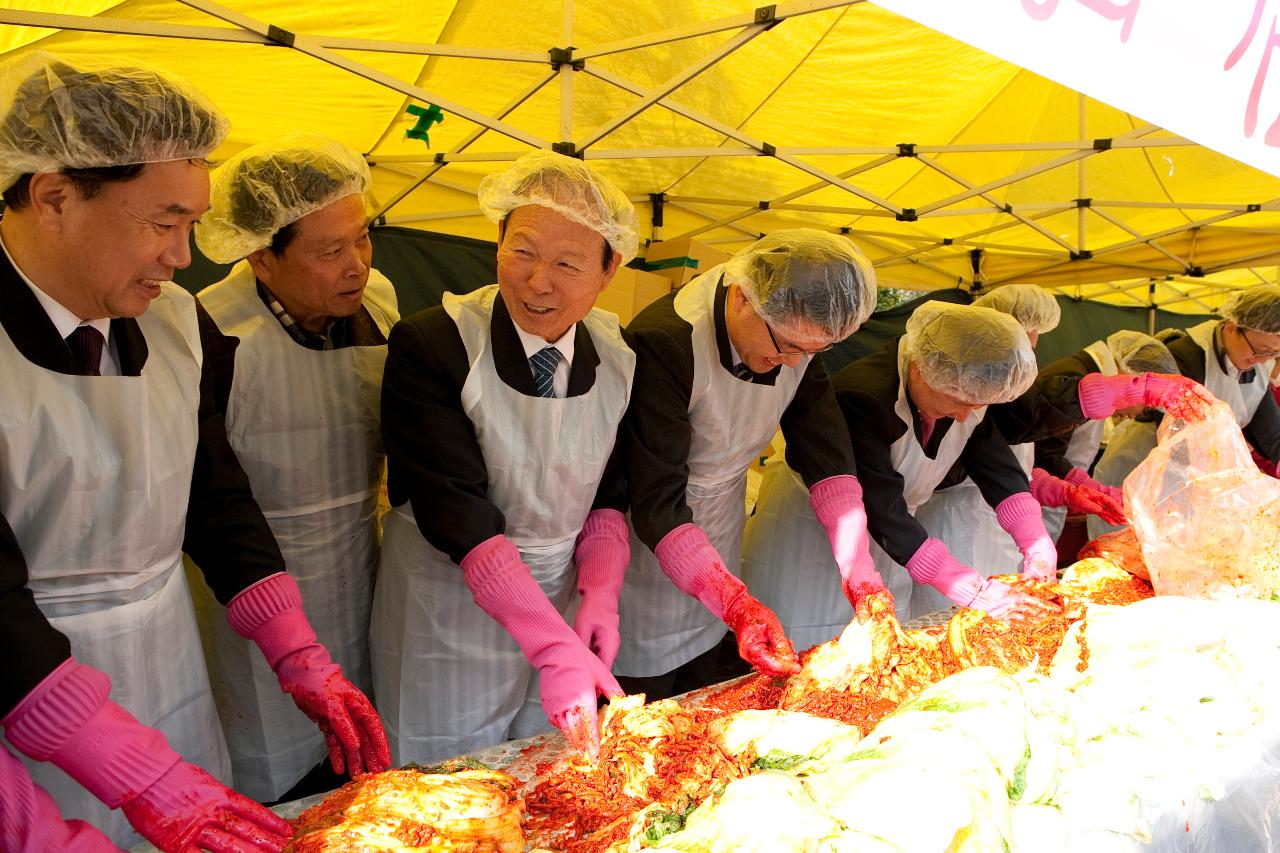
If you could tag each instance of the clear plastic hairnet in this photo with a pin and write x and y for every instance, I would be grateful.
(814, 287)
(1029, 304)
(87, 112)
(977, 355)
(1256, 308)
(569, 187)
(268, 186)
(1135, 352)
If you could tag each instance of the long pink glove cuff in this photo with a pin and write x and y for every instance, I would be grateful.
(1019, 516)
(1101, 396)
(933, 564)
(69, 720)
(692, 563)
(30, 821)
(602, 553)
(270, 613)
(502, 587)
(1048, 490)
(837, 504)
(1078, 477)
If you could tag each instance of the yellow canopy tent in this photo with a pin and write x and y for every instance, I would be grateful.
(948, 165)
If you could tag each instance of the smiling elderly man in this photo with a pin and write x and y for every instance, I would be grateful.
(500, 417)
(300, 391)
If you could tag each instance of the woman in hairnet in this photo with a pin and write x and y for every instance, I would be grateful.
(300, 392)
(1233, 357)
(956, 513)
(500, 415)
(912, 410)
(721, 363)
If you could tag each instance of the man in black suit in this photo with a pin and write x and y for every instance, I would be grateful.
(114, 460)
(500, 412)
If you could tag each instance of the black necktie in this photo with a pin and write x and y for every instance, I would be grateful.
(1246, 376)
(86, 349)
(743, 372)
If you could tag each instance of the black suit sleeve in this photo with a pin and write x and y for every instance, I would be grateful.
(818, 443)
(991, 464)
(658, 433)
(1263, 430)
(35, 648)
(226, 533)
(434, 460)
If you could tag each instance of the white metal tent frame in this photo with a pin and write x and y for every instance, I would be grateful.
(729, 222)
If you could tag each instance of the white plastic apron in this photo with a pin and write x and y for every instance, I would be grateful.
(448, 678)
(966, 523)
(785, 540)
(661, 627)
(305, 426)
(1082, 448)
(787, 561)
(95, 475)
(1243, 399)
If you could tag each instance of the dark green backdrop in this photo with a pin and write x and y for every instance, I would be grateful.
(424, 265)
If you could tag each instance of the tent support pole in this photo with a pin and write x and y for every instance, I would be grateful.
(309, 47)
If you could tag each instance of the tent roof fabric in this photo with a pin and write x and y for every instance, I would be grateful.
(947, 165)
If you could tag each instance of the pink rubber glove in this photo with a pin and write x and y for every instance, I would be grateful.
(689, 559)
(1078, 477)
(1019, 516)
(68, 720)
(1102, 396)
(837, 502)
(571, 675)
(601, 555)
(933, 564)
(1048, 490)
(270, 614)
(188, 810)
(30, 821)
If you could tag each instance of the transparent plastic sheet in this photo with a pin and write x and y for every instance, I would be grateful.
(1207, 518)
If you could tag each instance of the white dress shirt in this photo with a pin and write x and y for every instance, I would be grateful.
(533, 344)
(66, 322)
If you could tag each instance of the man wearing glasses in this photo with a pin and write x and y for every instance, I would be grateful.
(1234, 356)
(720, 364)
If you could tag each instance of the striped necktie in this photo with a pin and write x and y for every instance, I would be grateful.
(543, 363)
(86, 344)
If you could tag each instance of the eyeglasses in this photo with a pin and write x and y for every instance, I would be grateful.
(1262, 355)
(782, 351)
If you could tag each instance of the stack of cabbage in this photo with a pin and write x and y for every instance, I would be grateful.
(1170, 707)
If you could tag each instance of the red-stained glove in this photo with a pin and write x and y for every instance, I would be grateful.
(69, 721)
(837, 502)
(601, 556)
(1078, 477)
(1102, 396)
(188, 810)
(571, 677)
(30, 821)
(270, 614)
(933, 564)
(1019, 516)
(689, 559)
(1048, 490)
